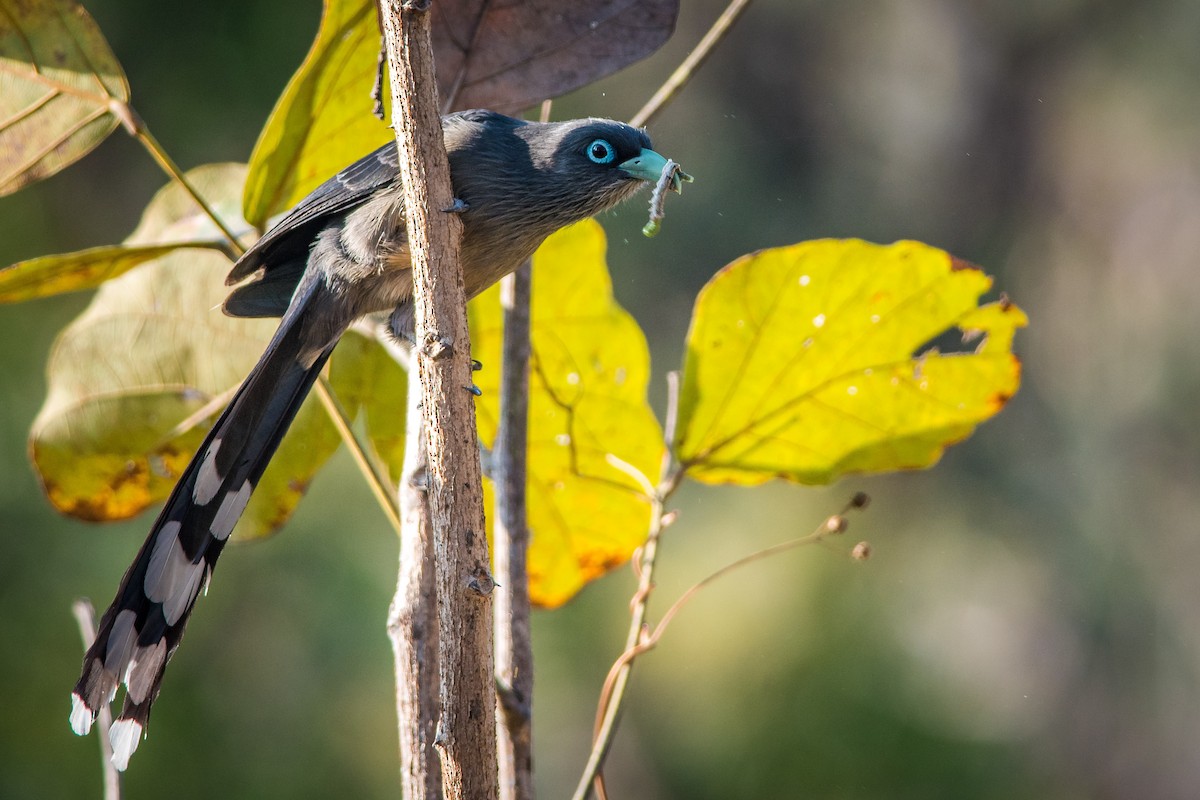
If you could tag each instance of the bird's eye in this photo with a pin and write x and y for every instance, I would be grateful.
(601, 152)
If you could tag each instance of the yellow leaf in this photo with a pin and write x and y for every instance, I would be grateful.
(802, 362)
(58, 80)
(588, 378)
(171, 220)
(322, 121)
(83, 269)
(173, 217)
(367, 378)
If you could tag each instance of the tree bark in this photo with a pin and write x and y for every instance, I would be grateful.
(510, 534)
(412, 620)
(466, 735)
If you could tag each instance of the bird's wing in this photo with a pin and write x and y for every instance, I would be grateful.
(291, 237)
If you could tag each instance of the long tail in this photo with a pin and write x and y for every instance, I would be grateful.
(141, 629)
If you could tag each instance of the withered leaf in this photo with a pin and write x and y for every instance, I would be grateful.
(509, 56)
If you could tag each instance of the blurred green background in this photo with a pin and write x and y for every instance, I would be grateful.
(1027, 625)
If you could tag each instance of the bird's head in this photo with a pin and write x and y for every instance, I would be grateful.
(593, 164)
(529, 179)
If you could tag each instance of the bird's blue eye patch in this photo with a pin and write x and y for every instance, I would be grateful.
(601, 152)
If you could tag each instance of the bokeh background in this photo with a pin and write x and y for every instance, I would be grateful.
(1027, 625)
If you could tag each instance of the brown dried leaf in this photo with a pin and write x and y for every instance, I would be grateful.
(509, 56)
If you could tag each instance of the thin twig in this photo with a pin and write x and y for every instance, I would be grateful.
(372, 471)
(608, 712)
(85, 615)
(136, 127)
(510, 538)
(647, 638)
(684, 72)
(651, 638)
(672, 415)
(377, 87)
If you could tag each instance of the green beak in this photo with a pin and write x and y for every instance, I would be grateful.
(649, 165)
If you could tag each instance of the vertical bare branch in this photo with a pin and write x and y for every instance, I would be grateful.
(510, 535)
(85, 615)
(412, 619)
(466, 737)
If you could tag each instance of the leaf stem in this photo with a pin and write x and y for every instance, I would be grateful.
(136, 127)
(684, 72)
(371, 470)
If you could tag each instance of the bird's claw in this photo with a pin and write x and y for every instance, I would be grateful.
(475, 390)
(459, 206)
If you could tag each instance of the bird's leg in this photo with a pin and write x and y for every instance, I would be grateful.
(459, 206)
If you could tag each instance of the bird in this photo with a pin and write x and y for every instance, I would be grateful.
(341, 253)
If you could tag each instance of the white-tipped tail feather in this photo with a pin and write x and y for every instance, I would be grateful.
(141, 629)
(81, 716)
(125, 735)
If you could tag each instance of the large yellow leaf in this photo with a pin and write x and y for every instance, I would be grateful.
(589, 372)
(323, 120)
(171, 220)
(58, 84)
(802, 362)
(137, 378)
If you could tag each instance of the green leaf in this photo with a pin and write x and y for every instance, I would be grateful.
(59, 85)
(588, 377)
(323, 120)
(802, 362)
